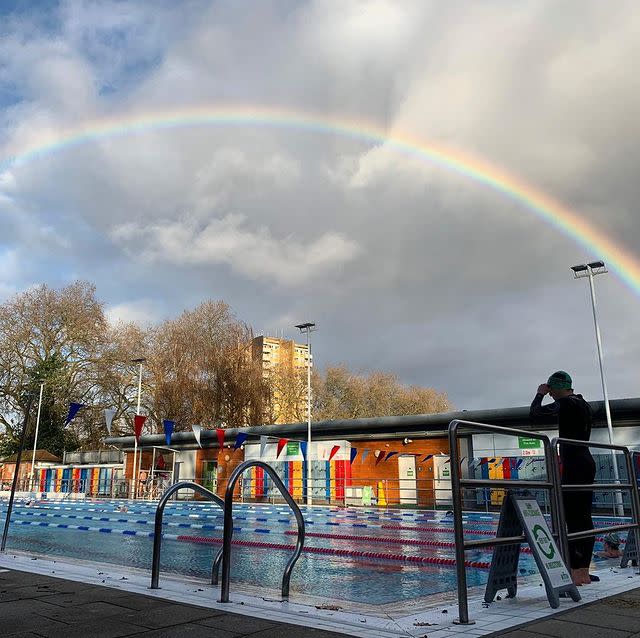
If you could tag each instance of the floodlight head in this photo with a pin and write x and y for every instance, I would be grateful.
(586, 270)
(306, 327)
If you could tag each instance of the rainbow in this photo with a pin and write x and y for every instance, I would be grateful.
(619, 259)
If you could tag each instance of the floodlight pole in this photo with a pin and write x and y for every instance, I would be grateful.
(308, 328)
(578, 271)
(134, 482)
(35, 440)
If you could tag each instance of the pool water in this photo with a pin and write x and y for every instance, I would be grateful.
(51, 528)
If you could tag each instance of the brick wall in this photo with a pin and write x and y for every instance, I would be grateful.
(368, 473)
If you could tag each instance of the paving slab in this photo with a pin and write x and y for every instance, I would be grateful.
(39, 606)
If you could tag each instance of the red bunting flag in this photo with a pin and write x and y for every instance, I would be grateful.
(220, 433)
(281, 444)
(334, 450)
(138, 422)
(379, 456)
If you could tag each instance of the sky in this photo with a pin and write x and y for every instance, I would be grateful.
(405, 264)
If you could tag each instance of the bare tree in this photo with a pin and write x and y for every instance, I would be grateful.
(341, 394)
(52, 337)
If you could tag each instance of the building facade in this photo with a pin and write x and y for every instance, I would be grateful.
(285, 363)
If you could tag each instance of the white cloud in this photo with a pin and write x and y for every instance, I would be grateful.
(255, 254)
(141, 311)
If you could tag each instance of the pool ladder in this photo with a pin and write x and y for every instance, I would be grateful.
(223, 555)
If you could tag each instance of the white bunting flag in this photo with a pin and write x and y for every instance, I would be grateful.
(196, 432)
(263, 445)
(108, 417)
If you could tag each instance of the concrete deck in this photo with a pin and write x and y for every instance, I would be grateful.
(38, 605)
(614, 617)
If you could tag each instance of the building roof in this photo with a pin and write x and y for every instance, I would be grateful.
(624, 412)
(43, 456)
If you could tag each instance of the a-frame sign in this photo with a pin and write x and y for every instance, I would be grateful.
(630, 549)
(521, 514)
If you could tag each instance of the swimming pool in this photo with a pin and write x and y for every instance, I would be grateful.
(361, 555)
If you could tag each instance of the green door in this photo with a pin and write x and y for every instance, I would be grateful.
(210, 475)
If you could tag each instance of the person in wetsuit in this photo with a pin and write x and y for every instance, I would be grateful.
(578, 467)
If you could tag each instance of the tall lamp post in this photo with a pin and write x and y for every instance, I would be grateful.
(134, 482)
(590, 270)
(35, 440)
(308, 328)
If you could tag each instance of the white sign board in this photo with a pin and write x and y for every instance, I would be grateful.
(542, 543)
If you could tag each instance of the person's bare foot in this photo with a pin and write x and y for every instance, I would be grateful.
(584, 575)
(576, 577)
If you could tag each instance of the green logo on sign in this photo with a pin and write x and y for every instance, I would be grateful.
(543, 541)
(527, 443)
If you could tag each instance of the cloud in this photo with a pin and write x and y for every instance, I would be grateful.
(404, 265)
(254, 254)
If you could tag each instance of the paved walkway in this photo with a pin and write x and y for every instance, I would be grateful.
(34, 605)
(615, 617)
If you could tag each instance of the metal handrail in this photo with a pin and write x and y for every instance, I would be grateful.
(631, 486)
(457, 482)
(157, 530)
(225, 553)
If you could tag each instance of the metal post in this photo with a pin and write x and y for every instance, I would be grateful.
(16, 471)
(307, 328)
(456, 497)
(35, 441)
(309, 479)
(134, 483)
(616, 475)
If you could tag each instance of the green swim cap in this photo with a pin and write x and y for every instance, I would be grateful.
(560, 380)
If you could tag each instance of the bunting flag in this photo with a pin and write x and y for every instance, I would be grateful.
(426, 458)
(365, 454)
(168, 430)
(263, 445)
(240, 439)
(196, 432)
(334, 450)
(138, 422)
(389, 455)
(353, 453)
(281, 444)
(220, 435)
(379, 455)
(108, 418)
(303, 449)
(73, 410)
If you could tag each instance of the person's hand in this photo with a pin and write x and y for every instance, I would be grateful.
(543, 389)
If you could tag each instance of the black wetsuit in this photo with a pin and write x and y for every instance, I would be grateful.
(578, 467)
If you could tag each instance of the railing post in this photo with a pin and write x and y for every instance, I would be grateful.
(461, 576)
(228, 529)
(157, 531)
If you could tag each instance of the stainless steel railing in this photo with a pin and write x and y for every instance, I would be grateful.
(157, 531)
(457, 482)
(630, 486)
(224, 554)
